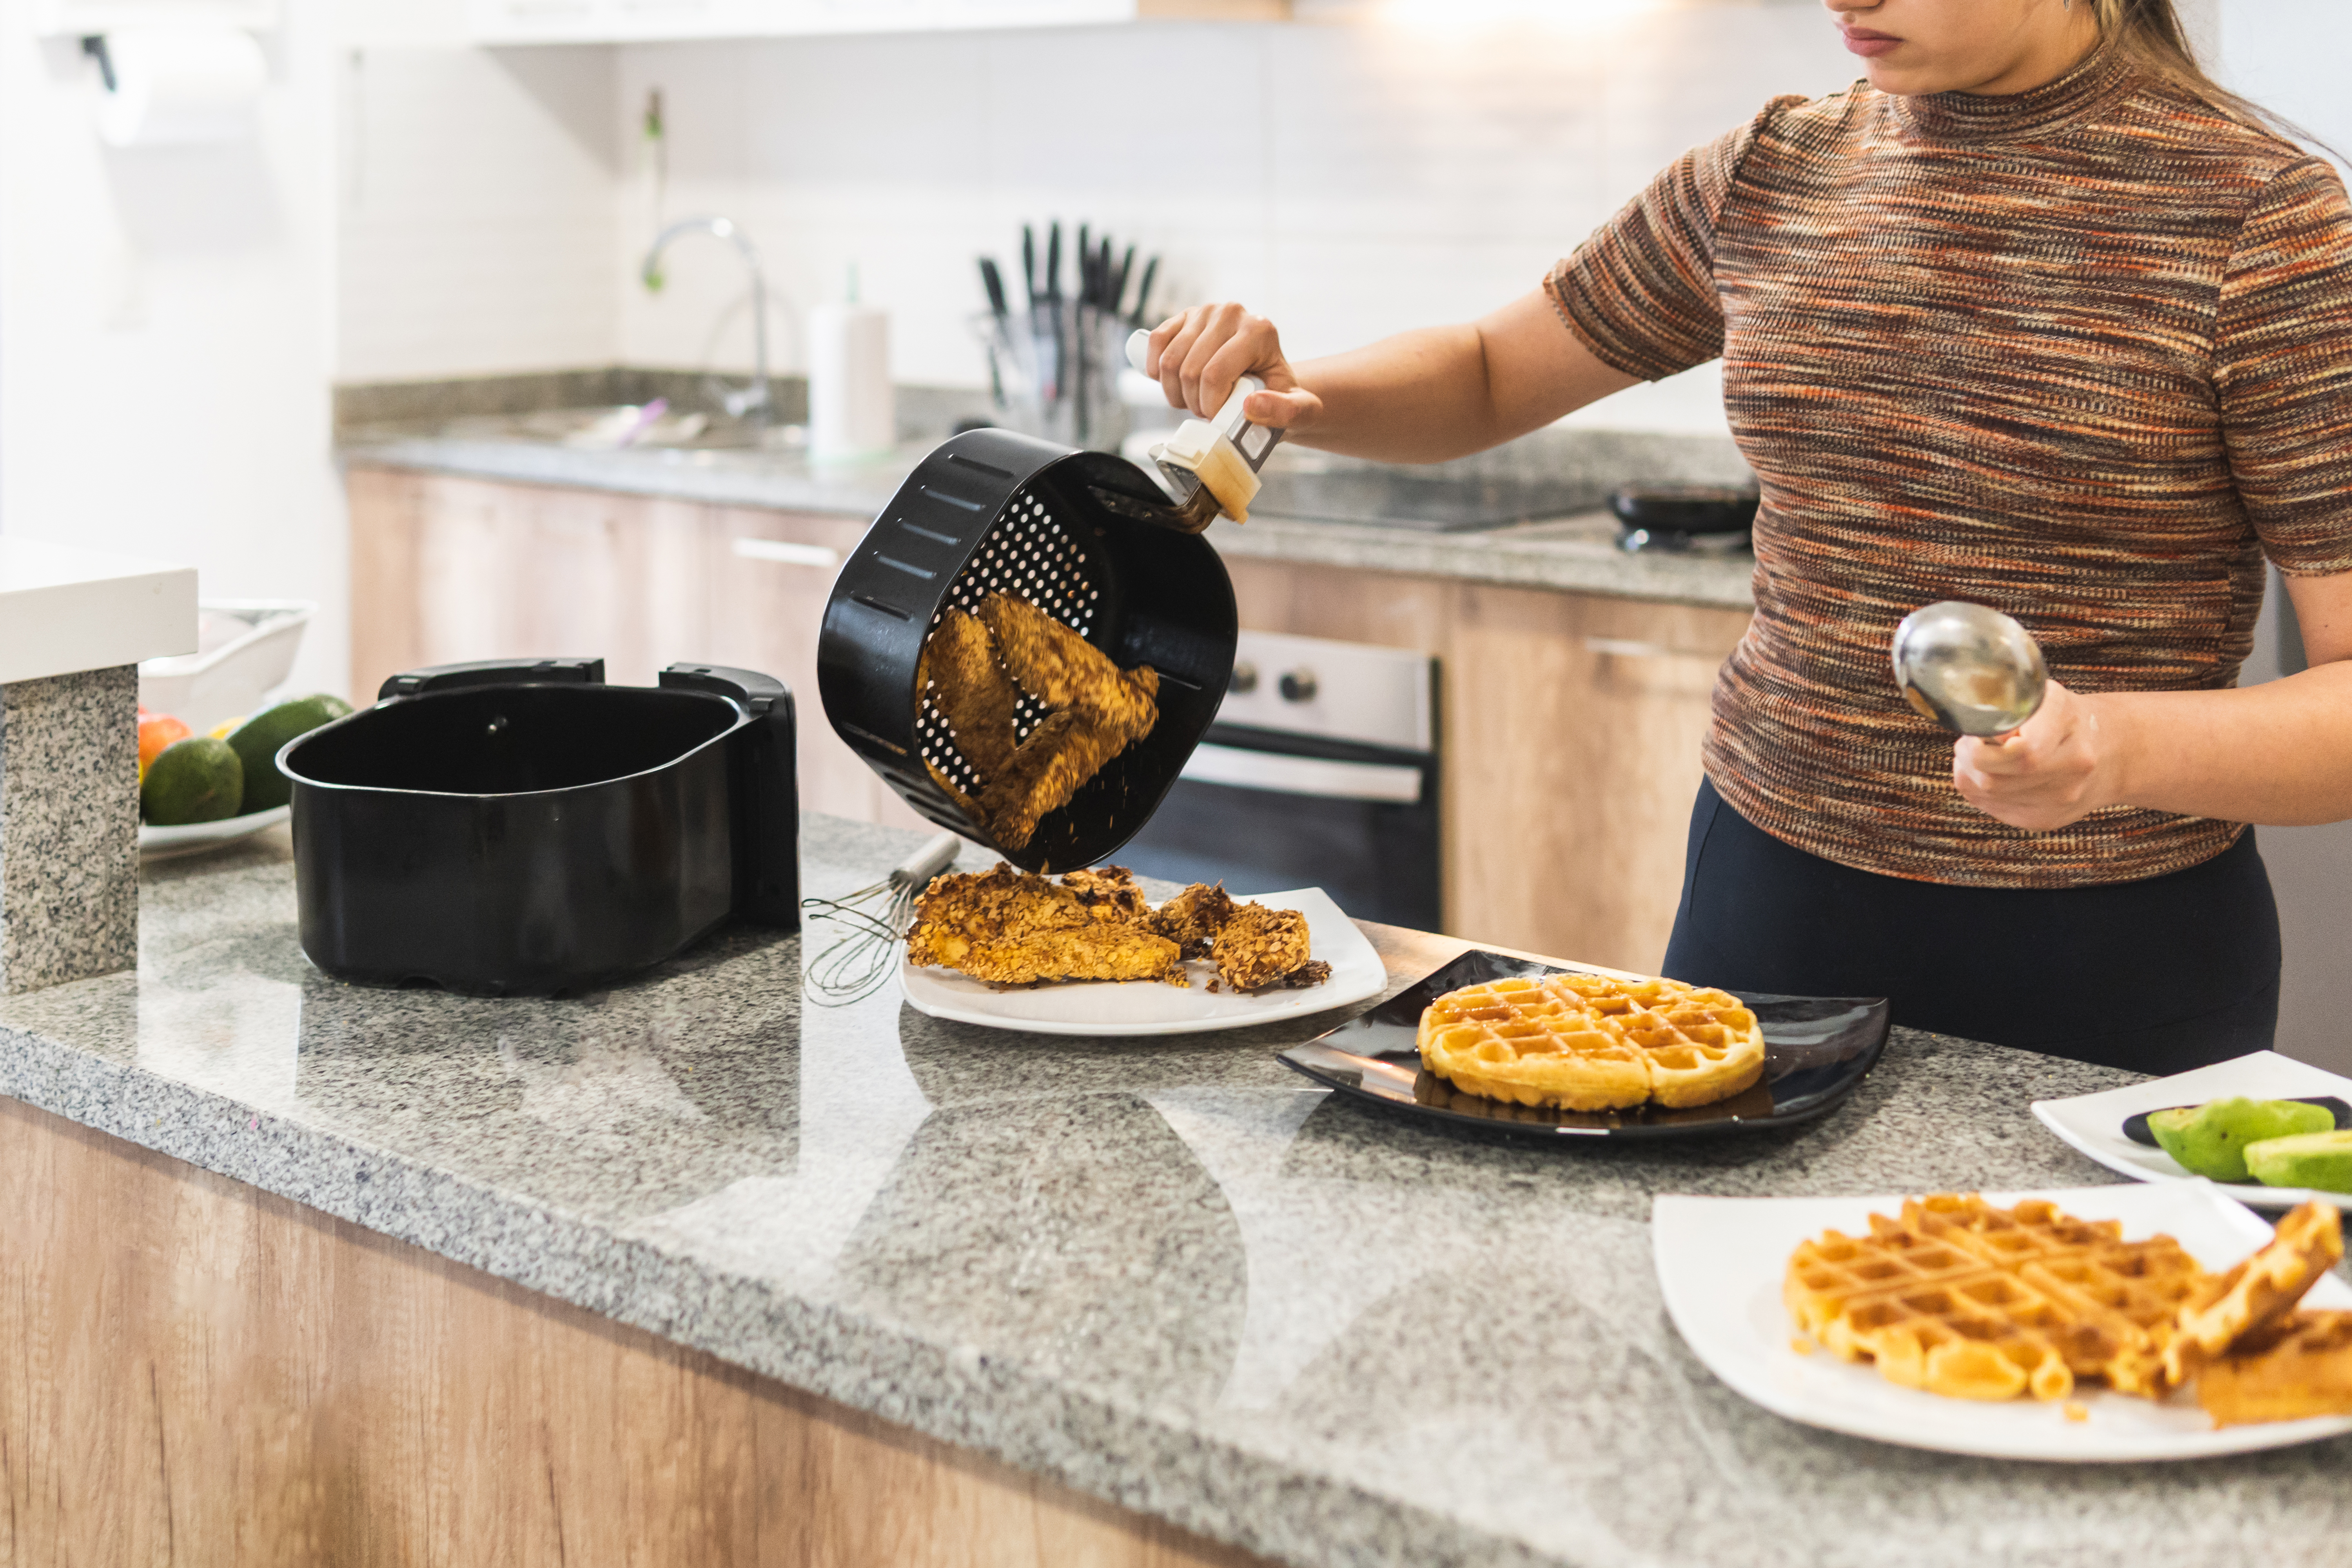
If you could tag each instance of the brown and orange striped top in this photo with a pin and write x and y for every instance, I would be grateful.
(2084, 355)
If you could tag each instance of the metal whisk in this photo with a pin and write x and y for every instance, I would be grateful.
(857, 963)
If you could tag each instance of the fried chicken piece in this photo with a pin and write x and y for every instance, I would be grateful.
(1111, 894)
(1053, 764)
(1013, 928)
(1063, 671)
(1257, 946)
(959, 666)
(1191, 919)
(1314, 972)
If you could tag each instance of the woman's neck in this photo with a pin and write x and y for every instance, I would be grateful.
(2044, 59)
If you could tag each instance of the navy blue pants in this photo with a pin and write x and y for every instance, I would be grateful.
(2159, 975)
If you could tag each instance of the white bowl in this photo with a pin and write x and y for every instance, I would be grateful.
(244, 647)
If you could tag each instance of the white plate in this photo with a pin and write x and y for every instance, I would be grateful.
(195, 837)
(1147, 1007)
(2094, 1123)
(1720, 1263)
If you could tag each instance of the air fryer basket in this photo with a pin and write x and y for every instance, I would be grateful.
(1084, 535)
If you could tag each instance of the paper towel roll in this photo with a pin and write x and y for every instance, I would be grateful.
(175, 85)
(851, 411)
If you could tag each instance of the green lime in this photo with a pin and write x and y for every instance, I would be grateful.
(195, 780)
(258, 738)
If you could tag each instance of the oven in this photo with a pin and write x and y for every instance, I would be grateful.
(1321, 770)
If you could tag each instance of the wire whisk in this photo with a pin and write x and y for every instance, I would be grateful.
(857, 963)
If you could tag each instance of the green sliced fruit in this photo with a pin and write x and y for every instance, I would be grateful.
(258, 738)
(2320, 1160)
(2211, 1139)
(195, 780)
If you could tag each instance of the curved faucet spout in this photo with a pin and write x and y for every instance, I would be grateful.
(754, 402)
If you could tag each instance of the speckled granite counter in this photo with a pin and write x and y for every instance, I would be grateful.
(1574, 554)
(1165, 1272)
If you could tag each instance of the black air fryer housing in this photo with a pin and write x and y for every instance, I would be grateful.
(526, 830)
(1085, 536)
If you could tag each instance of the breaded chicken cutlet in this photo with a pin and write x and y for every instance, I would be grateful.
(1191, 919)
(1111, 896)
(1016, 928)
(960, 671)
(1257, 946)
(1011, 928)
(972, 666)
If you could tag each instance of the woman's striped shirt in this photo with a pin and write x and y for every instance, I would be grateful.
(2084, 355)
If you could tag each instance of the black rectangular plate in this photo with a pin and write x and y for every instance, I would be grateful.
(1816, 1050)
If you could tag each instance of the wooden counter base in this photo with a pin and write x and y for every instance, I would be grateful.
(196, 1371)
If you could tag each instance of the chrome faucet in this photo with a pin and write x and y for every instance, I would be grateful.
(752, 402)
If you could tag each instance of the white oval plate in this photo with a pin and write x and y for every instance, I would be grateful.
(1149, 1007)
(2094, 1123)
(1720, 1263)
(195, 837)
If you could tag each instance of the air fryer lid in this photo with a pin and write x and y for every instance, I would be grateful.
(1085, 536)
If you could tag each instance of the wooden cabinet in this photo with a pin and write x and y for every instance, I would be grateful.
(445, 569)
(1570, 726)
(1571, 723)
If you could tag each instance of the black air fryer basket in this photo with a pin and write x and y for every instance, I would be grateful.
(1083, 535)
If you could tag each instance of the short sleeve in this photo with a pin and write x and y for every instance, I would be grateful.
(1640, 291)
(2282, 368)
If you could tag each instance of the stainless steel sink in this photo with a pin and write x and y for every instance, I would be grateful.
(613, 426)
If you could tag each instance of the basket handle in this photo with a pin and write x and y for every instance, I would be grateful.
(767, 820)
(493, 672)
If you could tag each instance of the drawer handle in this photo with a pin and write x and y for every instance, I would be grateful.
(787, 555)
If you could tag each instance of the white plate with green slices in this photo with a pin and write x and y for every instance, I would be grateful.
(2093, 1124)
(199, 837)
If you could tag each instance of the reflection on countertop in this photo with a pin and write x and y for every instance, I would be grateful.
(1557, 477)
(1165, 1271)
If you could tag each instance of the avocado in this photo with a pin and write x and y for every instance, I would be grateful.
(2211, 1139)
(2321, 1159)
(195, 780)
(260, 738)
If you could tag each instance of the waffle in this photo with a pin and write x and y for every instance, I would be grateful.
(2259, 1291)
(1585, 1042)
(1961, 1298)
(2298, 1366)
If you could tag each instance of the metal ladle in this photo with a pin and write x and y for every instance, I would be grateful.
(1969, 668)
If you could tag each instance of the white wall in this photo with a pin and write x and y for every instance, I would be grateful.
(1349, 179)
(166, 333)
(477, 210)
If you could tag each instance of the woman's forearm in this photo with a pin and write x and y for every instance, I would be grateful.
(2279, 754)
(1417, 397)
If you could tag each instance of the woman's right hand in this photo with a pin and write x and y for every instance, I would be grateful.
(1198, 356)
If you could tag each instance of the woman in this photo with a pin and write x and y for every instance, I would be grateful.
(2037, 317)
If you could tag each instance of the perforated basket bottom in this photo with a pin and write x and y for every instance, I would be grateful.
(1028, 556)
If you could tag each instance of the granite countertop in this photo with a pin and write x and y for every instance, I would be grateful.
(1168, 1272)
(1574, 553)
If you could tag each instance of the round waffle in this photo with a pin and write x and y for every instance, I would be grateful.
(1586, 1042)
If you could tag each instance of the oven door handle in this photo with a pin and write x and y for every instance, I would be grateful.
(1319, 776)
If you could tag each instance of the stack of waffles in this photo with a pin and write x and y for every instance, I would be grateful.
(1960, 1298)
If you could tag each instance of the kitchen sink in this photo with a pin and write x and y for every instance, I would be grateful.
(628, 424)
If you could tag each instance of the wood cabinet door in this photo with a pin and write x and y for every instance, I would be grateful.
(1570, 726)
(772, 574)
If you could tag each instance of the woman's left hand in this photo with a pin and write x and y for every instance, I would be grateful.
(2054, 769)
